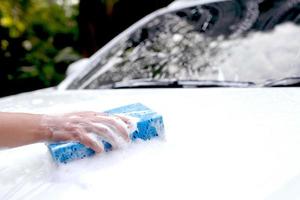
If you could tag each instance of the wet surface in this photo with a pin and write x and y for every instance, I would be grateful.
(225, 41)
(220, 144)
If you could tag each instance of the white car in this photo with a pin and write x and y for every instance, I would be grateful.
(237, 140)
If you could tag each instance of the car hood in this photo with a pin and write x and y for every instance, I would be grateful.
(220, 144)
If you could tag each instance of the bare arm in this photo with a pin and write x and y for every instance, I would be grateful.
(17, 129)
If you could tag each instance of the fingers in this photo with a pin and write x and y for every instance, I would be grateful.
(104, 132)
(86, 114)
(86, 140)
(80, 135)
(127, 121)
(100, 129)
(91, 143)
(113, 122)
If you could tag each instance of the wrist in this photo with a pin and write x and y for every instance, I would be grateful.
(44, 131)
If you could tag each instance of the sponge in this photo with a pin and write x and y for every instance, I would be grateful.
(149, 125)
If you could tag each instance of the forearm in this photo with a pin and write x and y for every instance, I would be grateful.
(17, 129)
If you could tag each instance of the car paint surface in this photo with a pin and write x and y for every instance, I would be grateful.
(220, 144)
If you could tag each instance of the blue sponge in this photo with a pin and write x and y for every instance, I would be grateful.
(149, 125)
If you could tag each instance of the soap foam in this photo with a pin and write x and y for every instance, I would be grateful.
(30, 171)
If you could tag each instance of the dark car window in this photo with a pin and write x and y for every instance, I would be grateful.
(242, 41)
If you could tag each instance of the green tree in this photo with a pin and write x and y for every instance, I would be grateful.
(37, 42)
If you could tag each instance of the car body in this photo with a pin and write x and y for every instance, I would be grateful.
(221, 143)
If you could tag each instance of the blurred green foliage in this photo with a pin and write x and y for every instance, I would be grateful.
(38, 40)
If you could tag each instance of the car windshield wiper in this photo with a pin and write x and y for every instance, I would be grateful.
(284, 82)
(150, 83)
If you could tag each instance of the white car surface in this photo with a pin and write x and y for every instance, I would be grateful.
(220, 143)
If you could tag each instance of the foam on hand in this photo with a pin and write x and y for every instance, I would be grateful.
(146, 124)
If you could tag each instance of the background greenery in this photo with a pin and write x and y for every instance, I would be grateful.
(38, 39)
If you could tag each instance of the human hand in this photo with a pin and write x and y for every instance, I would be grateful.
(82, 126)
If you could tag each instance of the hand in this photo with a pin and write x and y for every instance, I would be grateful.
(82, 126)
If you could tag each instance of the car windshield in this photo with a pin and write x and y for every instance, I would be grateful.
(254, 42)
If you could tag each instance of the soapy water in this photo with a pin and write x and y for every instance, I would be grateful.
(290, 190)
(28, 172)
(238, 144)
